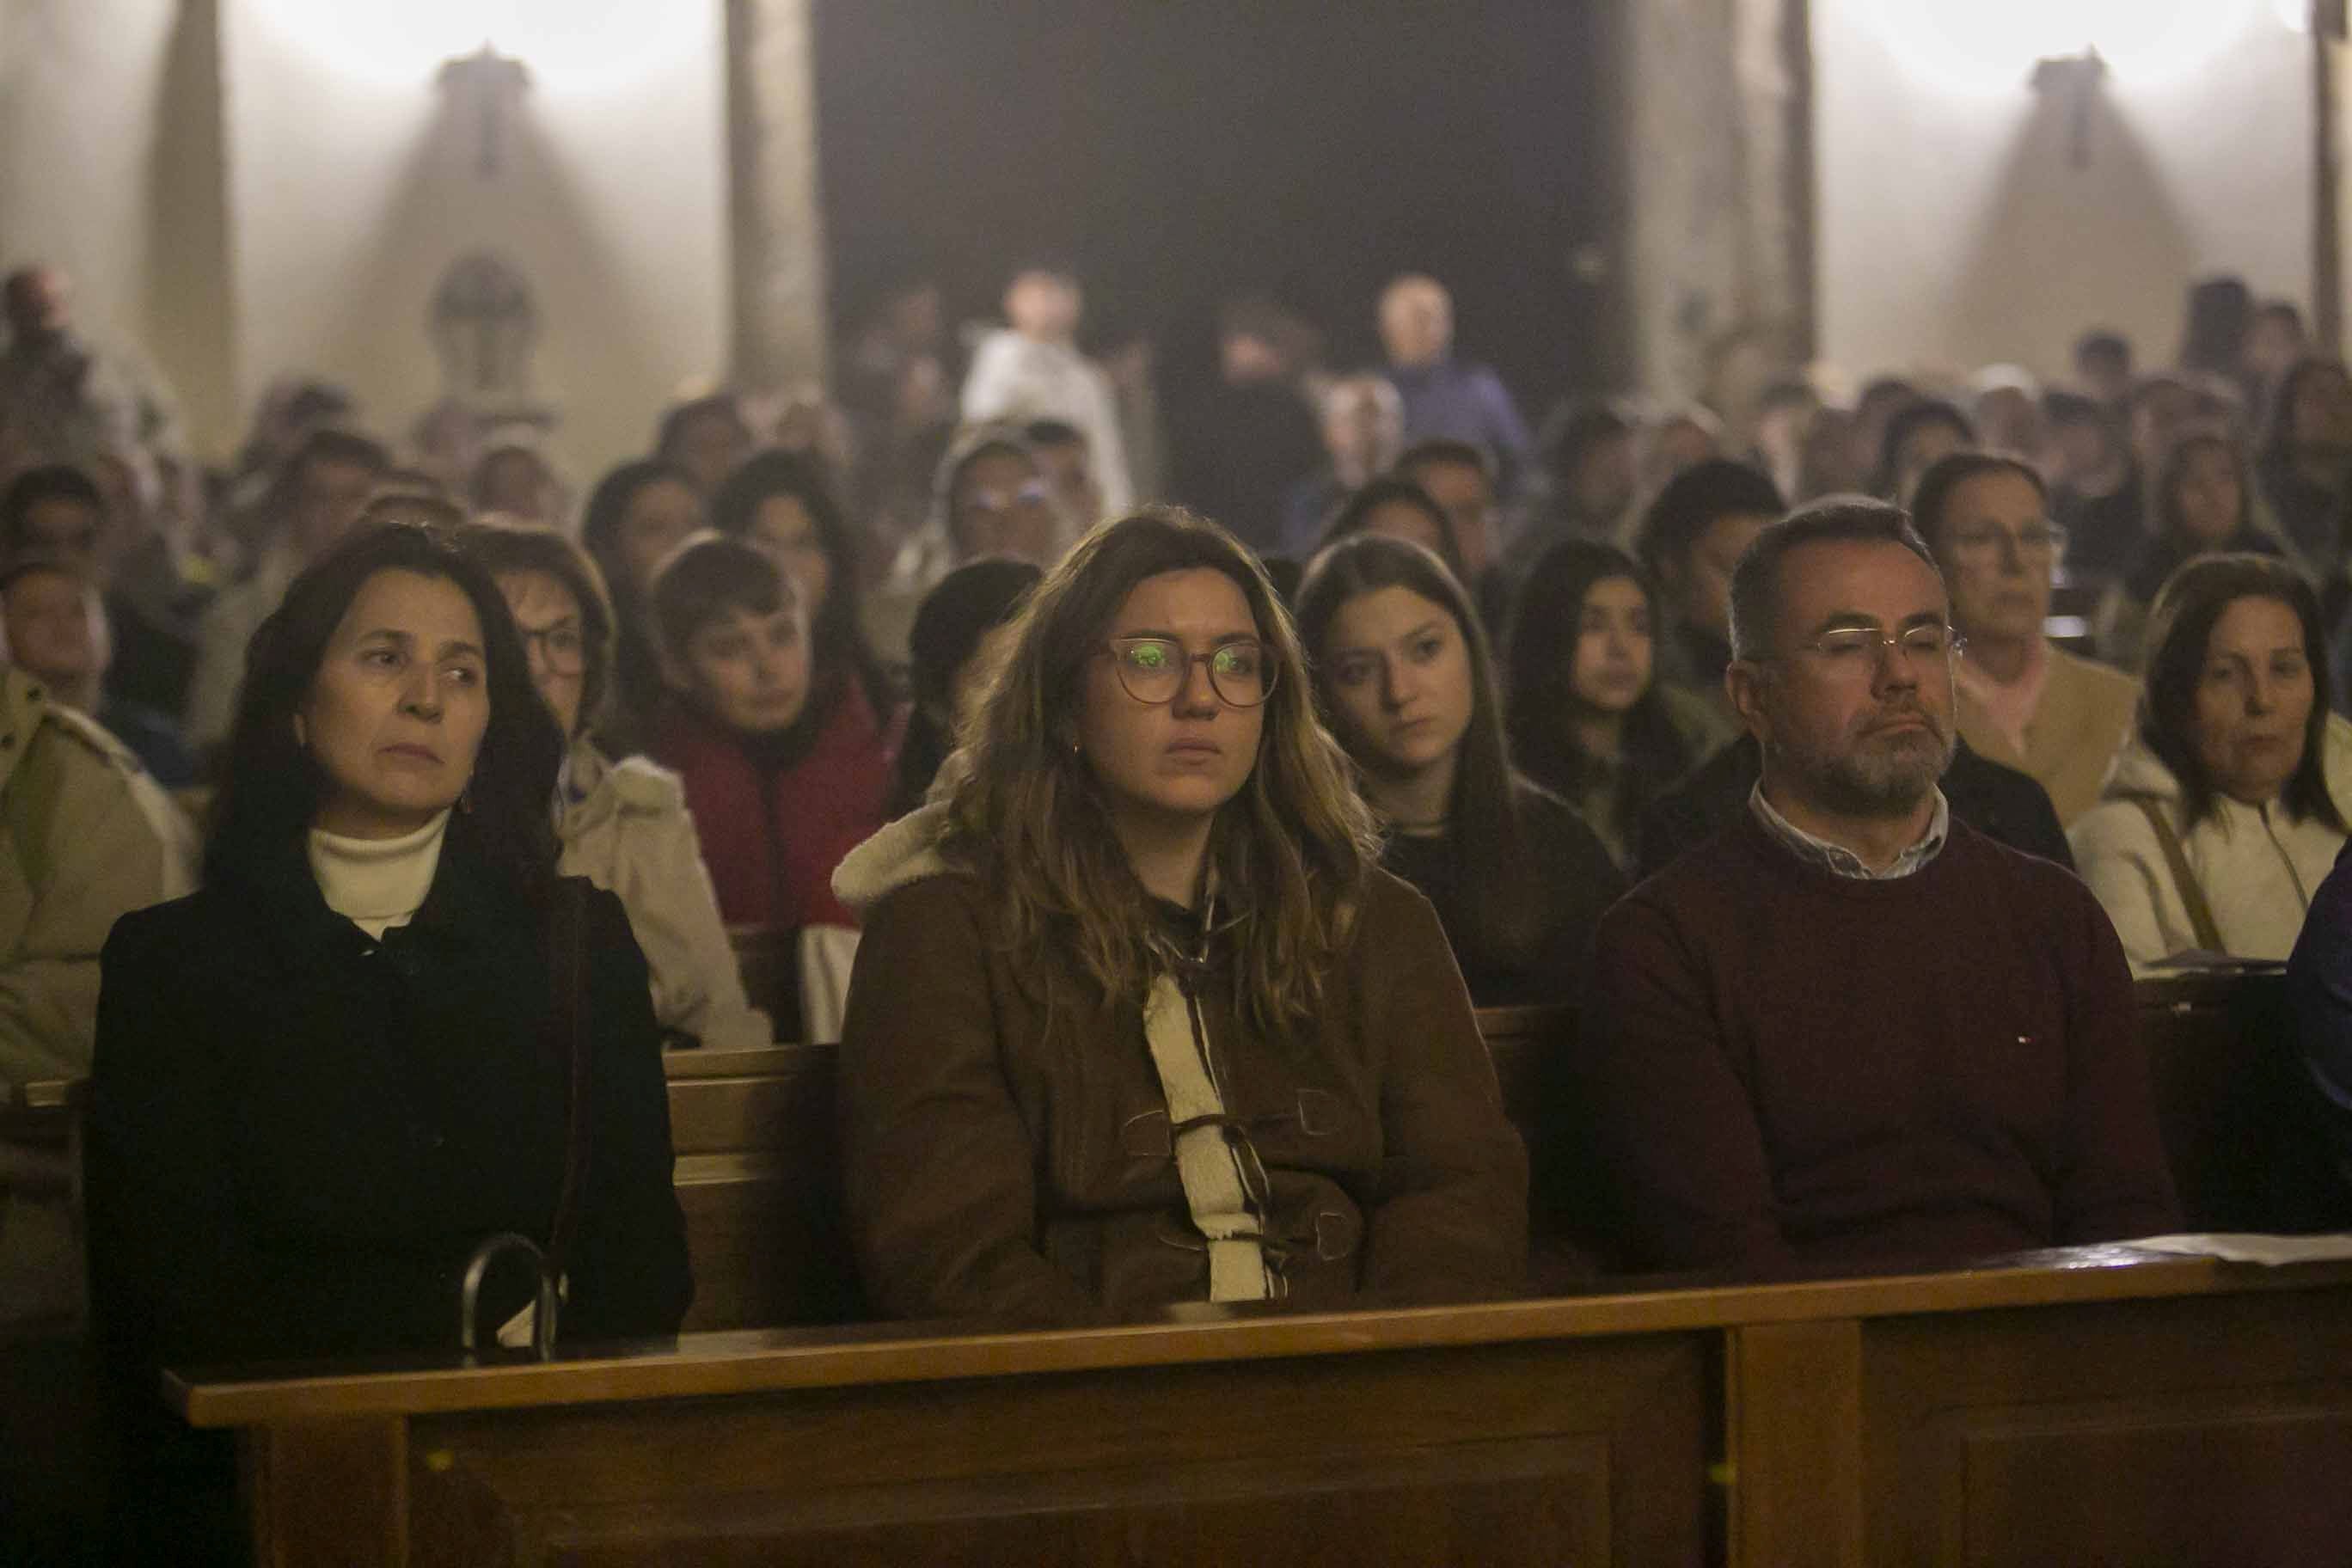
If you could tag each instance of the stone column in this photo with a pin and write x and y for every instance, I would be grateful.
(112, 168)
(190, 290)
(1715, 153)
(776, 230)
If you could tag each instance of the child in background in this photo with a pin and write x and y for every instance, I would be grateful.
(783, 766)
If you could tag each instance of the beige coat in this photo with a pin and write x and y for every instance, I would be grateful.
(88, 837)
(85, 837)
(2083, 718)
(626, 829)
(2258, 867)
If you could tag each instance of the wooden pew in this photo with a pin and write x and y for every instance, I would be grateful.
(758, 1178)
(2097, 1405)
(2233, 1106)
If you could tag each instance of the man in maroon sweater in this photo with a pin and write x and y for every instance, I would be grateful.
(1848, 1029)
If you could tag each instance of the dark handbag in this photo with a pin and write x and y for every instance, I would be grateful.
(567, 1042)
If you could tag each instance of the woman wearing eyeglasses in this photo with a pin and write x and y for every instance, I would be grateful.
(2023, 702)
(624, 825)
(1137, 1019)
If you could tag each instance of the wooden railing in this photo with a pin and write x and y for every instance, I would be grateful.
(2094, 1405)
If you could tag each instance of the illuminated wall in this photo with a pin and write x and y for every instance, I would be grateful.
(354, 182)
(1954, 230)
(109, 168)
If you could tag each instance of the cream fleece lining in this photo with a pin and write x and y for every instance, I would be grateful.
(1205, 1163)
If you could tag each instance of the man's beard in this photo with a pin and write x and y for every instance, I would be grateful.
(1879, 776)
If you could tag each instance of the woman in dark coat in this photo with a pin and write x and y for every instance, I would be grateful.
(324, 1079)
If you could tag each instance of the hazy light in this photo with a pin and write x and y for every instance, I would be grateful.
(1988, 46)
(2296, 13)
(576, 44)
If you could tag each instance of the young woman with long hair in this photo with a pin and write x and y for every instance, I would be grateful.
(1137, 1018)
(1404, 679)
(1589, 720)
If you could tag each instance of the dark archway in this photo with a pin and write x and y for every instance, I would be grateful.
(1179, 153)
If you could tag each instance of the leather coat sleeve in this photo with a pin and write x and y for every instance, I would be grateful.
(940, 1167)
(1450, 1217)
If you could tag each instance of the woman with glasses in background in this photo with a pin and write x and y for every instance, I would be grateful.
(1137, 1018)
(624, 825)
(2023, 702)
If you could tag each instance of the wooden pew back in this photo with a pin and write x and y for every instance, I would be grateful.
(759, 1179)
(2235, 1111)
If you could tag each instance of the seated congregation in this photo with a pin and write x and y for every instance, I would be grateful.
(1187, 885)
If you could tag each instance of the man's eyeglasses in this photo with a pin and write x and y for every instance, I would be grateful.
(2037, 539)
(1857, 647)
(561, 648)
(1153, 670)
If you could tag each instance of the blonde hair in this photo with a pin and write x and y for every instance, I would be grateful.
(1291, 851)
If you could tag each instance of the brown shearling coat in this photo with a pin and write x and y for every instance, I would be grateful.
(1004, 1162)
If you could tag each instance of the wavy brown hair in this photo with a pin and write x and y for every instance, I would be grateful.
(1292, 851)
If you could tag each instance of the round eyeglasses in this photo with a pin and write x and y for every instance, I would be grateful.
(1153, 670)
(560, 647)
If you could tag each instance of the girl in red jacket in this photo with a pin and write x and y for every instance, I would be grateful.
(779, 749)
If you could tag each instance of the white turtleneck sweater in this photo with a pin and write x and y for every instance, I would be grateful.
(377, 883)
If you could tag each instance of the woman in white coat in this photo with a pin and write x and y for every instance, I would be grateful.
(624, 825)
(2226, 809)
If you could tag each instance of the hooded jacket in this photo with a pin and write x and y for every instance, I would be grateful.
(1007, 1158)
(626, 828)
(2258, 865)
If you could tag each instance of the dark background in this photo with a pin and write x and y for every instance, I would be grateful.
(1179, 152)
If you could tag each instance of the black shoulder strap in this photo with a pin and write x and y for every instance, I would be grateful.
(567, 972)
